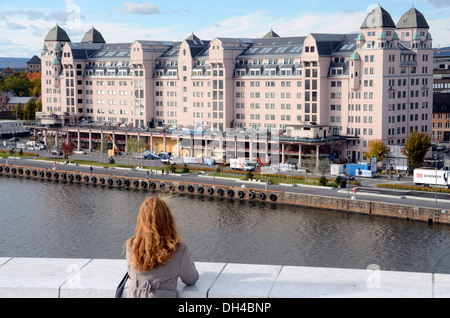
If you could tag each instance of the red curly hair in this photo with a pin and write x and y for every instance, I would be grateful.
(156, 236)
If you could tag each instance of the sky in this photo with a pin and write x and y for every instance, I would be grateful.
(24, 24)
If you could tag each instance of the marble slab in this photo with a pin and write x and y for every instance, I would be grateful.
(36, 277)
(316, 282)
(98, 279)
(244, 280)
(208, 273)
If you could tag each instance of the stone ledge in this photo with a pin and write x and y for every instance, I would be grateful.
(98, 278)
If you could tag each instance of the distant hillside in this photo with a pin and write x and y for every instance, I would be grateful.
(13, 62)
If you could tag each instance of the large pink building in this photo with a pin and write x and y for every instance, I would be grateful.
(373, 85)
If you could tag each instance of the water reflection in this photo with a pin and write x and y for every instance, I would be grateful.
(56, 219)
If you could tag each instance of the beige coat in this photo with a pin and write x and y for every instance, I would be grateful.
(162, 282)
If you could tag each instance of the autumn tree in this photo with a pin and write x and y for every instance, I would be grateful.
(377, 149)
(416, 148)
(67, 148)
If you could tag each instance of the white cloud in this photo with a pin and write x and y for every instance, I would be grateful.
(257, 24)
(440, 31)
(145, 8)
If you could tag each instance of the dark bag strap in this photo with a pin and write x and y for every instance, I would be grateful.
(121, 286)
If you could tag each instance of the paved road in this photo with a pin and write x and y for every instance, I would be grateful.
(366, 192)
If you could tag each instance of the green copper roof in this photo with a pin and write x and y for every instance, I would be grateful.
(416, 36)
(382, 36)
(355, 57)
(56, 62)
(360, 37)
(396, 36)
(429, 37)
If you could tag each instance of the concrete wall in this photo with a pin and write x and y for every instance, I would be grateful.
(98, 278)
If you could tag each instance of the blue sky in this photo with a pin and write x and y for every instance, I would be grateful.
(24, 24)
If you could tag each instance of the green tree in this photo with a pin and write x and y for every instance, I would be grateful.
(104, 144)
(50, 141)
(377, 149)
(324, 166)
(18, 111)
(134, 146)
(19, 84)
(29, 112)
(312, 161)
(39, 105)
(416, 148)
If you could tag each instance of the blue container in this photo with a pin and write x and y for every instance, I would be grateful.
(354, 167)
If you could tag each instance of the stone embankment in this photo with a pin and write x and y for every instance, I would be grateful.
(376, 208)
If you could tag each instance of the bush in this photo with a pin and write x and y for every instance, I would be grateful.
(12, 151)
(338, 180)
(249, 175)
(323, 180)
(185, 168)
(112, 161)
(412, 188)
(172, 168)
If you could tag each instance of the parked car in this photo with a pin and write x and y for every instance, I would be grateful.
(56, 152)
(14, 139)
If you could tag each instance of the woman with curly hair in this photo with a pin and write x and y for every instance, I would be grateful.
(156, 254)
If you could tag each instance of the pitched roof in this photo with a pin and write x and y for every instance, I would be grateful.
(271, 34)
(83, 51)
(93, 36)
(57, 34)
(412, 19)
(378, 18)
(34, 60)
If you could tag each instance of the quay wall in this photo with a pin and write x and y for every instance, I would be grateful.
(99, 278)
(375, 208)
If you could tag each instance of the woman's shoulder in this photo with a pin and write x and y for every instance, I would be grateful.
(182, 247)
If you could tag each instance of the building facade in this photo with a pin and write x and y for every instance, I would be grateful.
(34, 65)
(373, 85)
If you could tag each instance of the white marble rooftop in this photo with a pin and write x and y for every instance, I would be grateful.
(98, 278)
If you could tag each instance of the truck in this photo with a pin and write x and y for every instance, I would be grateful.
(431, 177)
(148, 155)
(165, 157)
(241, 164)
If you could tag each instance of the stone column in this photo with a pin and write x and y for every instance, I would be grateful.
(317, 156)
(300, 153)
(90, 141)
(79, 140)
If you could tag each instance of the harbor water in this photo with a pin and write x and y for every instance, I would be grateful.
(48, 219)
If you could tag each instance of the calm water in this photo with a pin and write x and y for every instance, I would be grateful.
(48, 219)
